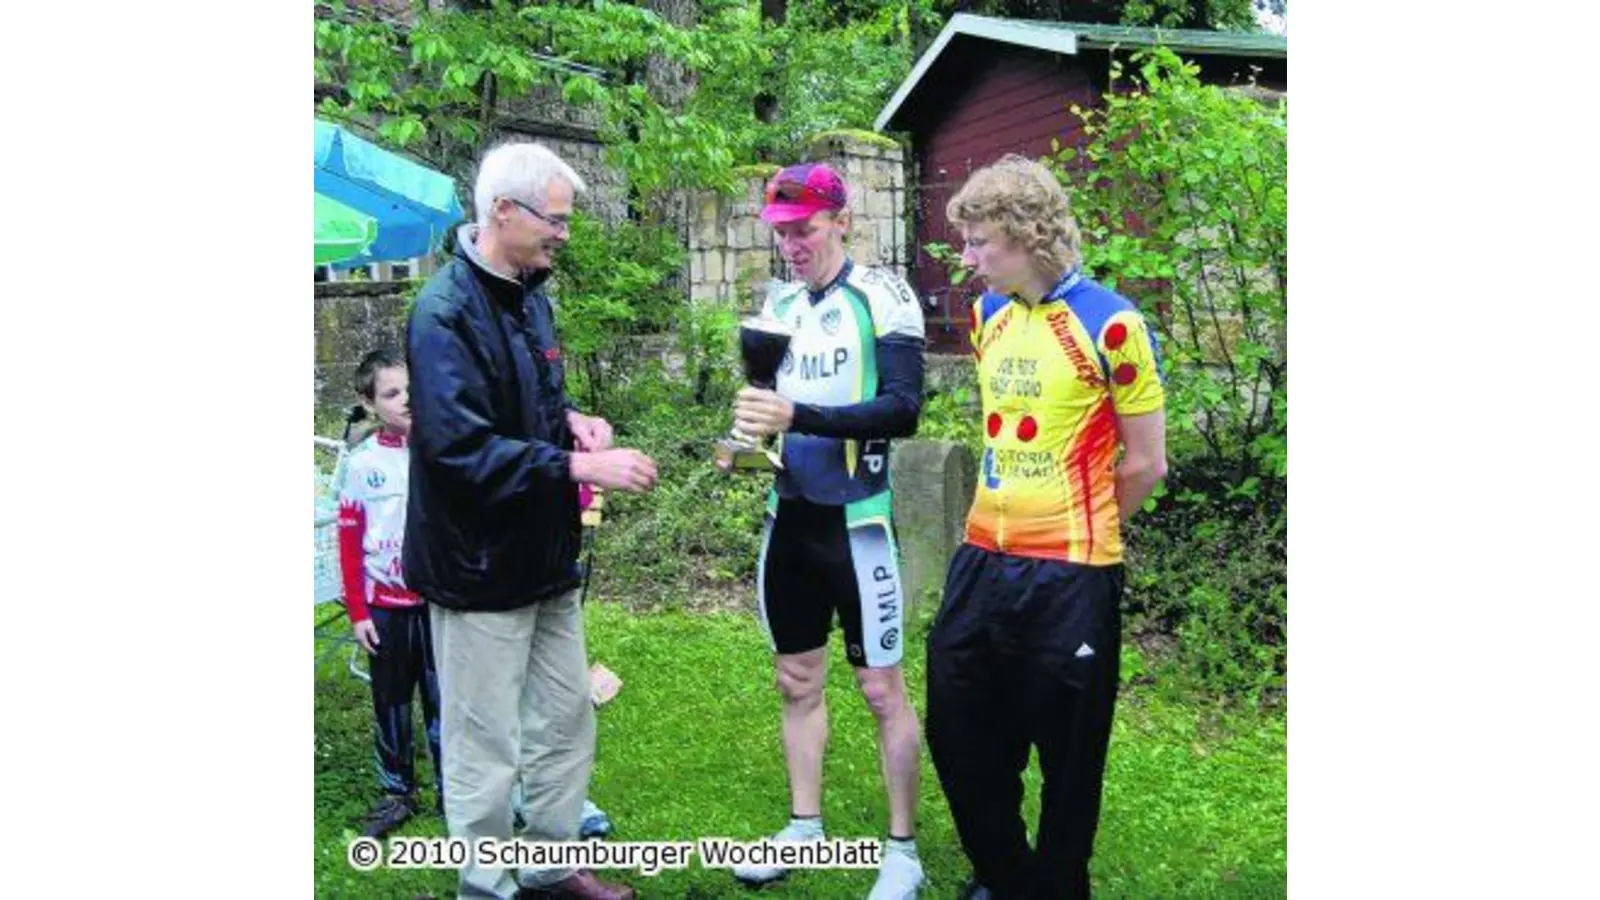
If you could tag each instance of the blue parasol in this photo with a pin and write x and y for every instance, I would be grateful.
(414, 206)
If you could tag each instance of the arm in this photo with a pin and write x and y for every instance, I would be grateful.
(451, 407)
(1138, 394)
(893, 413)
(352, 568)
(352, 534)
(1144, 461)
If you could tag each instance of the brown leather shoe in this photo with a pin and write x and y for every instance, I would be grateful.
(580, 885)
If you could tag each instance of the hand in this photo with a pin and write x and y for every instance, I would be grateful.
(593, 433)
(623, 470)
(366, 635)
(760, 413)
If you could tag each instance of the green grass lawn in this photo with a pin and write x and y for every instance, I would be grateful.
(1195, 797)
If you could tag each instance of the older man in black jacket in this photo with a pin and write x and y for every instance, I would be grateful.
(492, 529)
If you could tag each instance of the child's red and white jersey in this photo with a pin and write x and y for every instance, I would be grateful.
(372, 524)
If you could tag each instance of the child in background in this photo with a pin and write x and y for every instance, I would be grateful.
(390, 621)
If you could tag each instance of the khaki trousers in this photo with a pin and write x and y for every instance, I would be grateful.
(514, 687)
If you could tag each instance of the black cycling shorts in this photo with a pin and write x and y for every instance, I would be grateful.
(818, 561)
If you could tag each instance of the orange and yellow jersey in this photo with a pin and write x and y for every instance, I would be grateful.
(1055, 376)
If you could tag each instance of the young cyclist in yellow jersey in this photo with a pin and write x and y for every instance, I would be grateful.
(1025, 648)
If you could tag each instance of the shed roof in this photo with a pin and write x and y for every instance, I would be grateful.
(1068, 38)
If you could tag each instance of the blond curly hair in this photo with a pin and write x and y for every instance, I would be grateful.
(1022, 199)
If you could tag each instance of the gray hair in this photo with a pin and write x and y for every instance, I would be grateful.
(519, 169)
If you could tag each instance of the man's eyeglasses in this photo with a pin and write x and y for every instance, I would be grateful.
(559, 223)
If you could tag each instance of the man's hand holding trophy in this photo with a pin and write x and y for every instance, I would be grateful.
(757, 446)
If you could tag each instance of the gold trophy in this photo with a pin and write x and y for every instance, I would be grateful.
(762, 345)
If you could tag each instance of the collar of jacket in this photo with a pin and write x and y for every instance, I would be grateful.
(506, 290)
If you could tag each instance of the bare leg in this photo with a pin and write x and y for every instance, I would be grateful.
(899, 743)
(805, 726)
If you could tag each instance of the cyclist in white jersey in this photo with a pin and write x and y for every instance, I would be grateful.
(851, 382)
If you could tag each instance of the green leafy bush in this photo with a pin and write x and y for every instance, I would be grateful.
(612, 284)
(1182, 194)
(697, 535)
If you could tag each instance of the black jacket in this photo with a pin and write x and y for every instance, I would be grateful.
(492, 520)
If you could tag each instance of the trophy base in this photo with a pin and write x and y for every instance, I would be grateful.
(741, 457)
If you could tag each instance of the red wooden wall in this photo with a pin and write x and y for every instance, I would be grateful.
(981, 100)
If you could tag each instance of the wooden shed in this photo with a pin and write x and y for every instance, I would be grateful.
(988, 86)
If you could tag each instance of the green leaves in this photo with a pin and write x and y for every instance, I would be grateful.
(1248, 489)
(402, 131)
(1156, 494)
(581, 90)
(611, 285)
(1185, 210)
(462, 74)
(464, 131)
(951, 258)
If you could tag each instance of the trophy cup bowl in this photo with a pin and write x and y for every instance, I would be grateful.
(762, 345)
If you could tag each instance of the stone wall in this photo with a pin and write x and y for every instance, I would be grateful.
(573, 132)
(874, 167)
(607, 195)
(945, 372)
(351, 320)
(732, 253)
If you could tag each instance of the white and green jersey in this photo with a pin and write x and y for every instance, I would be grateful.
(833, 361)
